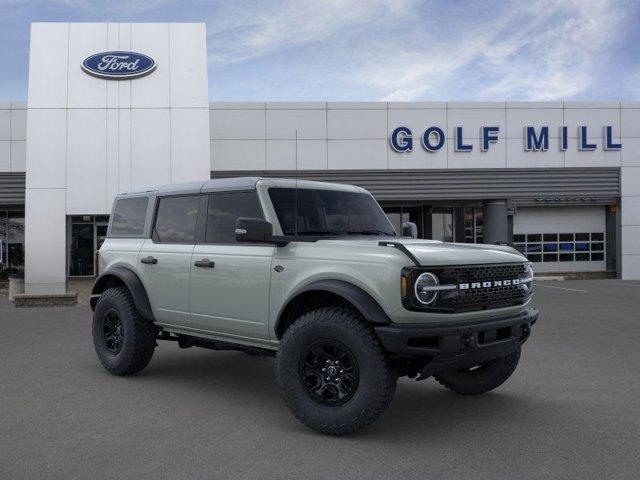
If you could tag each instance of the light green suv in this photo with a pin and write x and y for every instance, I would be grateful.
(314, 274)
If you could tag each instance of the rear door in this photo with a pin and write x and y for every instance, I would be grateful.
(164, 263)
(230, 280)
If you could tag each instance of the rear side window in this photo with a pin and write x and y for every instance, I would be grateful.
(176, 219)
(129, 216)
(224, 209)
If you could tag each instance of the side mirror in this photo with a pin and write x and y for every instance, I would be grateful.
(253, 230)
(409, 229)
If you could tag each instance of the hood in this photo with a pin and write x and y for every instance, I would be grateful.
(436, 253)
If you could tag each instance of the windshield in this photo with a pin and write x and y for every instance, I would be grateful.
(328, 212)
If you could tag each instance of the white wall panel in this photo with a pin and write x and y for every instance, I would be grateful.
(281, 154)
(630, 267)
(597, 158)
(18, 156)
(86, 91)
(519, 118)
(237, 124)
(18, 124)
(5, 124)
(630, 181)
(113, 43)
(188, 65)
(630, 235)
(48, 57)
(518, 157)
(592, 118)
(356, 154)
(630, 211)
(492, 158)
(357, 124)
(124, 150)
(418, 157)
(86, 161)
(45, 241)
(189, 144)
(312, 154)
(5, 156)
(630, 153)
(310, 124)
(472, 119)
(630, 122)
(238, 154)
(124, 86)
(153, 90)
(46, 148)
(112, 163)
(418, 120)
(150, 147)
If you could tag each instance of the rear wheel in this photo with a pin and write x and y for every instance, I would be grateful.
(122, 339)
(332, 372)
(480, 378)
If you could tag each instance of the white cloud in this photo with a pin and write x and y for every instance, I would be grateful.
(259, 31)
(545, 51)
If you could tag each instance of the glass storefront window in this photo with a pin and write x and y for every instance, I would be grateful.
(442, 224)
(86, 233)
(11, 242)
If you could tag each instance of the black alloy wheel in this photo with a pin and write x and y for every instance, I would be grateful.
(112, 332)
(329, 372)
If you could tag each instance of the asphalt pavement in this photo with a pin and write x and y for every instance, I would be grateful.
(570, 411)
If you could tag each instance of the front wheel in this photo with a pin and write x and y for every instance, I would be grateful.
(122, 339)
(333, 373)
(480, 378)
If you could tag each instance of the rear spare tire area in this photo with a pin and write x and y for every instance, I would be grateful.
(123, 340)
(333, 373)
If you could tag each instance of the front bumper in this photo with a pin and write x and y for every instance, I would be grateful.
(451, 346)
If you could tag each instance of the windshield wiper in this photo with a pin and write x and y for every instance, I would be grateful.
(370, 232)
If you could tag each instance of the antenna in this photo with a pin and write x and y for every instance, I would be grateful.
(295, 195)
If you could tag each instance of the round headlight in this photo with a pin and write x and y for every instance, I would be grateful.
(528, 277)
(422, 288)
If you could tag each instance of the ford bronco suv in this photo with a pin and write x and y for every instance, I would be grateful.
(314, 274)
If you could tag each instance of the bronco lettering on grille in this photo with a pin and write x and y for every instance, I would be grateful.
(488, 284)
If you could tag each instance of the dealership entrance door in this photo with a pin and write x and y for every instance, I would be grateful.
(85, 234)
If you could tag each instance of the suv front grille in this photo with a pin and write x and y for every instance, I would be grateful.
(478, 273)
(477, 287)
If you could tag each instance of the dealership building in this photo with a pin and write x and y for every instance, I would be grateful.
(119, 106)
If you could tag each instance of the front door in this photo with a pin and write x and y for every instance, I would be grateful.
(164, 262)
(229, 280)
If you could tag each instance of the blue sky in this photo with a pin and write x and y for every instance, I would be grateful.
(378, 49)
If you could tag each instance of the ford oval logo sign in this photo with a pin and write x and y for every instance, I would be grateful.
(118, 65)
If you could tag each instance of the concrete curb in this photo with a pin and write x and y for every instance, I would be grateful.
(25, 300)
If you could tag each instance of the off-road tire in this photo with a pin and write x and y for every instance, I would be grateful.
(376, 375)
(485, 378)
(138, 335)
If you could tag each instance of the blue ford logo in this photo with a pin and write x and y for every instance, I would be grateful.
(118, 65)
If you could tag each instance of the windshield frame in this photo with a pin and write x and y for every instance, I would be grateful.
(381, 228)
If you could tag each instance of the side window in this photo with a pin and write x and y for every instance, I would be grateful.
(129, 216)
(176, 219)
(224, 210)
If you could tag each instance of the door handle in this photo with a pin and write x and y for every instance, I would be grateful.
(204, 263)
(149, 260)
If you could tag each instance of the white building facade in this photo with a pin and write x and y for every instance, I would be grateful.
(560, 180)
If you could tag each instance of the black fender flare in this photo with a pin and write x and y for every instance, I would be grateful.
(366, 305)
(132, 282)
